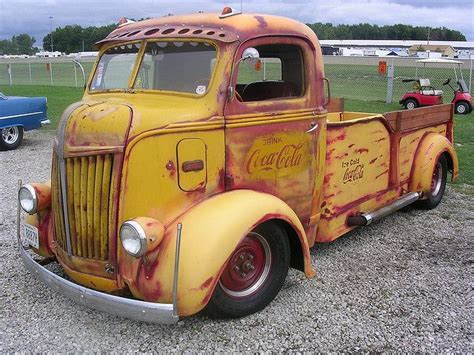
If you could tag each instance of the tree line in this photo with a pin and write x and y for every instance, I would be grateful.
(21, 44)
(75, 38)
(366, 31)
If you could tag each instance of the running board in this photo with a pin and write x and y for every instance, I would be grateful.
(367, 218)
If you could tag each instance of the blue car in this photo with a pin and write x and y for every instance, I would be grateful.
(19, 114)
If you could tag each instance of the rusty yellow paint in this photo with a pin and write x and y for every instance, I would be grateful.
(105, 190)
(187, 151)
(408, 146)
(77, 206)
(204, 251)
(99, 169)
(428, 152)
(83, 206)
(90, 205)
(156, 156)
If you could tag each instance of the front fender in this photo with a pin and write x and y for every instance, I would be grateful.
(211, 231)
(427, 154)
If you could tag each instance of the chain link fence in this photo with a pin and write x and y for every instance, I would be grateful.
(356, 78)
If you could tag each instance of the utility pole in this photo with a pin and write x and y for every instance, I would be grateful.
(429, 31)
(51, 21)
(83, 45)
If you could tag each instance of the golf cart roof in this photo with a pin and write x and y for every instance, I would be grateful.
(439, 60)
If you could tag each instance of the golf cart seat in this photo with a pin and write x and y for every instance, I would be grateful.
(427, 89)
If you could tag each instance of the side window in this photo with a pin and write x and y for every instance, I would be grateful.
(279, 73)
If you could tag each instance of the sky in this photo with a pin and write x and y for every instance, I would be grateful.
(32, 16)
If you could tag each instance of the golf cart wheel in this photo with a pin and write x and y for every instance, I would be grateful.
(438, 185)
(461, 108)
(253, 275)
(410, 104)
(11, 137)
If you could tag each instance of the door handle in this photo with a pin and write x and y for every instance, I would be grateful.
(314, 127)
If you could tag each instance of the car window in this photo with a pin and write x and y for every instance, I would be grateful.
(115, 67)
(177, 66)
(279, 73)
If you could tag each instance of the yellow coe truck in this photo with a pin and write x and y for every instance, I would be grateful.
(206, 158)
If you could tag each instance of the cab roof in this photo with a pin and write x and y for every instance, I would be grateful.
(228, 29)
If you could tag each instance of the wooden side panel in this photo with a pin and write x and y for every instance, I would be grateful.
(336, 104)
(407, 120)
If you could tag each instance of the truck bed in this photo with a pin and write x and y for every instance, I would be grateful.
(369, 159)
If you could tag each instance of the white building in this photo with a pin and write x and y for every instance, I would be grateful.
(46, 54)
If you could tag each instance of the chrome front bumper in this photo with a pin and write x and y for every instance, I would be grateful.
(115, 305)
(45, 122)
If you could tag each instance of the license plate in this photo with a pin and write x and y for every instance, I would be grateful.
(30, 235)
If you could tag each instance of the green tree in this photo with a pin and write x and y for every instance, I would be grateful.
(394, 32)
(74, 38)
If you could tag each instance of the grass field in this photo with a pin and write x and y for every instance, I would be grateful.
(60, 97)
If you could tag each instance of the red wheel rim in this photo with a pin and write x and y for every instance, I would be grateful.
(248, 267)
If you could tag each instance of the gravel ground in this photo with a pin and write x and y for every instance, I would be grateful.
(402, 284)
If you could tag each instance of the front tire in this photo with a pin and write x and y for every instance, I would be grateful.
(461, 108)
(410, 104)
(438, 185)
(11, 137)
(253, 275)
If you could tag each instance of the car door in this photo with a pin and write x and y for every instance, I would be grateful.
(272, 126)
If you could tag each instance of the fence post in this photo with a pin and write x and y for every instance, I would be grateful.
(470, 74)
(9, 66)
(390, 75)
(51, 72)
(29, 70)
(75, 74)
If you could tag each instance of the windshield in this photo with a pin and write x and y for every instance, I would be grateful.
(176, 66)
(170, 66)
(115, 67)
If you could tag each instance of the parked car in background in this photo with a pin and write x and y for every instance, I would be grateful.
(20, 114)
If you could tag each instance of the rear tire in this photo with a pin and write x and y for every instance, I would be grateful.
(11, 137)
(461, 108)
(410, 104)
(253, 275)
(438, 185)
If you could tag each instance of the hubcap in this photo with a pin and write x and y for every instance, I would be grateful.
(10, 135)
(436, 179)
(461, 109)
(248, 267)
(410, 105)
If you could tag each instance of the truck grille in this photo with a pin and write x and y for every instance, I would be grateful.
(89, 192)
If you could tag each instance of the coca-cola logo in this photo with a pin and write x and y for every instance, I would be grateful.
(286, 157)
(354, 170)
(353, 174)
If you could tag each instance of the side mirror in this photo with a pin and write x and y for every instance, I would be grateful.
(250, 53)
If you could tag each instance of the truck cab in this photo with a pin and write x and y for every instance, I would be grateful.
(206, 158)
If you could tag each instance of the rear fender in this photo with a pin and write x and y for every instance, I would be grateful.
(211, 231)
(427, 154)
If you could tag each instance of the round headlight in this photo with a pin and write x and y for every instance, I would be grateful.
(133, 238)
(28, 199)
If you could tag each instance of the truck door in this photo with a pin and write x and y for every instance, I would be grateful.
(272, 125)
